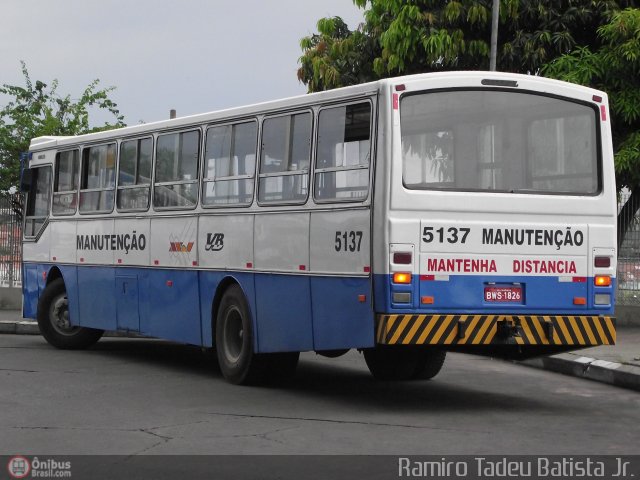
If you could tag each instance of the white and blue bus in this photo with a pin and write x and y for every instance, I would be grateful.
(467, 211)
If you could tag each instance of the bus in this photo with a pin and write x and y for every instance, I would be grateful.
(405, 218)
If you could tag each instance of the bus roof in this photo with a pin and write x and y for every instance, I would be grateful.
(47, 142)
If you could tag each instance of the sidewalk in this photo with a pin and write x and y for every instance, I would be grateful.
(616, 365)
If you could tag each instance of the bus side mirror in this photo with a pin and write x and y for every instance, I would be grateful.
(26, 180)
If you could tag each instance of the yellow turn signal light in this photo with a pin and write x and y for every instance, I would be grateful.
(602, 280)
(401, 277)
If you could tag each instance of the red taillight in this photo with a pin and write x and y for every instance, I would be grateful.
(602, 262)
(402, 258)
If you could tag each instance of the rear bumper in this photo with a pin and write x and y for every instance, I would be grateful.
(495, 330)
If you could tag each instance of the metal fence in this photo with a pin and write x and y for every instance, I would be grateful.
(10, 240)
(629, 258)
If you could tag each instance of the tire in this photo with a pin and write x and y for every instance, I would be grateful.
(430, 364)
(53, 320)
(234, 340)
(392, 363)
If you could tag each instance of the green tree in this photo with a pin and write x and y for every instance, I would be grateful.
(336, 56)
(37, 109)
(401, 37)
(615, 68)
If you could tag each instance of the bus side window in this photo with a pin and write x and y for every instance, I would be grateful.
(37, 210)
(344, 152)
(230, 164)
(176, 182)
(65, 187)
(98, 178)
(285, 158)
(134, 176)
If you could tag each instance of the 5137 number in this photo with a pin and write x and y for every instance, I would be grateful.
(349, 241)
(451, 235)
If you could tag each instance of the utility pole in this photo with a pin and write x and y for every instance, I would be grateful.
(494, 34)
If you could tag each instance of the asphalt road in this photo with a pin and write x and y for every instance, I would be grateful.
(136, 396)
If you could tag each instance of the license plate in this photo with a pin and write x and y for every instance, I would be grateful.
(503, 294)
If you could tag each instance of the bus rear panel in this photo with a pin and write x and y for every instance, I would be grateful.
(501, 214)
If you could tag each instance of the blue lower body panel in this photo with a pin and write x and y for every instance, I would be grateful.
(283, 308)
(30, 291)
(169, 305)
(289, 312)
(464, 294)
(340, 318)
(96, 305)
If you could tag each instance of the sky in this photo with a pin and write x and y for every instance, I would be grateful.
(191, 55)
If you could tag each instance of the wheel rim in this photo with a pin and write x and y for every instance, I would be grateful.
(59, 316)
(233, 334)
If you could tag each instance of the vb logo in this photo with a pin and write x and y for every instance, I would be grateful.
(215, 242)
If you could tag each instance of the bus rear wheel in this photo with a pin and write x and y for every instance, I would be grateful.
(429, 364)
(53, 320)
(234, 345)
(234, 340)
(391, 363)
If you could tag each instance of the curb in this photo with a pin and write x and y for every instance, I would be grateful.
(21, 327)
(26, 327)
(613, 373)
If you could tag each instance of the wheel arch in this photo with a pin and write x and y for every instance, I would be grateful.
(68, 276)
(53, 274)
(222, 287)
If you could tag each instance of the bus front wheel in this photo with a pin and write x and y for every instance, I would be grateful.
(53, 320)
(393, 363)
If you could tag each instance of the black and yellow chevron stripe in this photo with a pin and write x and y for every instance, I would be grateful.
(576, 330)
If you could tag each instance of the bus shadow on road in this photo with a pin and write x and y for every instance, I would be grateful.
(451, 390)
(346, 380)
(160, 354)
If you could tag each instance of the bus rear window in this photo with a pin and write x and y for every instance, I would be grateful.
(489, 140)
